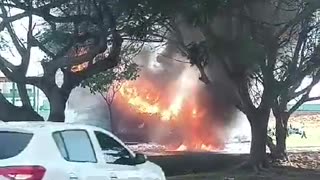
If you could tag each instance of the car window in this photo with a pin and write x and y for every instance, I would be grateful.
(60, 144)
(113, 151)
(75, 145)
(13, 143)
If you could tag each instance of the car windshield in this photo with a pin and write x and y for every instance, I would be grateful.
(13, 143)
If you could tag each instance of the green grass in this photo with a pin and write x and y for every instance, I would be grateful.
(313, 139)
(312, 129)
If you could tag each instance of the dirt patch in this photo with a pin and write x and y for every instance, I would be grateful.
(304, 160)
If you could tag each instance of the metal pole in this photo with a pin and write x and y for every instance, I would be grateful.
(13, 93)
(34, 97)
(37, 100)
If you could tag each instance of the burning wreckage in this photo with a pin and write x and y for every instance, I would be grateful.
(179, 115)
(169, 110)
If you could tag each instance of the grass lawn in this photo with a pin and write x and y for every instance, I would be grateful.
(312, 140)
(312, 128)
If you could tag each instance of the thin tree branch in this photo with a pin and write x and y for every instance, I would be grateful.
(298, 104)
(302, 15)
(174, 59)
(44, 11)
(7, 64)
(307, 89)
(7, 20)
(42, 47)
(25, 58)
(16, 41)
(313, 99)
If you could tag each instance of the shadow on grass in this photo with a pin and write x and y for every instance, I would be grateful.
(192, 162)
(209, 166)
(277, 173)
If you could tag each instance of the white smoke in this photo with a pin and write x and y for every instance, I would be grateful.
(84, 107)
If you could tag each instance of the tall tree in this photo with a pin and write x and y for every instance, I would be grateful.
(299, 60)
(245, 39)
(79, 33)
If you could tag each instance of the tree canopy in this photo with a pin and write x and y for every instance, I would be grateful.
(79, 33)
(265, 48)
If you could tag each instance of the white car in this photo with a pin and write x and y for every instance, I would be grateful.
(62, 151)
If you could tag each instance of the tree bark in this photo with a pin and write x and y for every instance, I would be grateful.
(23, 93)
(259, 127)
(57, 100)
(281, 135)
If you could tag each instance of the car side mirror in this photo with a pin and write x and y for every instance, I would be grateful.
(140, 158)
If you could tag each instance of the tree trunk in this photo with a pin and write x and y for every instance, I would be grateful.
(9, 112)
(259, 127)
(24, 96)
(272, 147)
(112, 125)
(281, 135)
(57, 100)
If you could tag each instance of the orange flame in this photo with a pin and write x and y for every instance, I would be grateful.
(150, 105)
(80, 67)
(177, 108)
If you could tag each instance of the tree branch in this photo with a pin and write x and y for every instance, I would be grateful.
(6, 64)
(313, 99)
(298, 104)
(315, 80)
(7, 20)
(106, 63)
(68, 61)
(44, 11)
(25, 58)
(16, 41)
(306, 94)
(14, 76)
(42, 47)
(302, 15)
(246, 102)
(24, 96)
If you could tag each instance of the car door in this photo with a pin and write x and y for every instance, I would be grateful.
(118, 159)
(81, 162)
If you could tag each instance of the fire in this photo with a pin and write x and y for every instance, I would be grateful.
(142, 105)
(177, 107)
(146, 104)
(182, 148)
(202, 147)
(80, 67)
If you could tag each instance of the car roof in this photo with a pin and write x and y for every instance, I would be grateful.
(44, 125)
